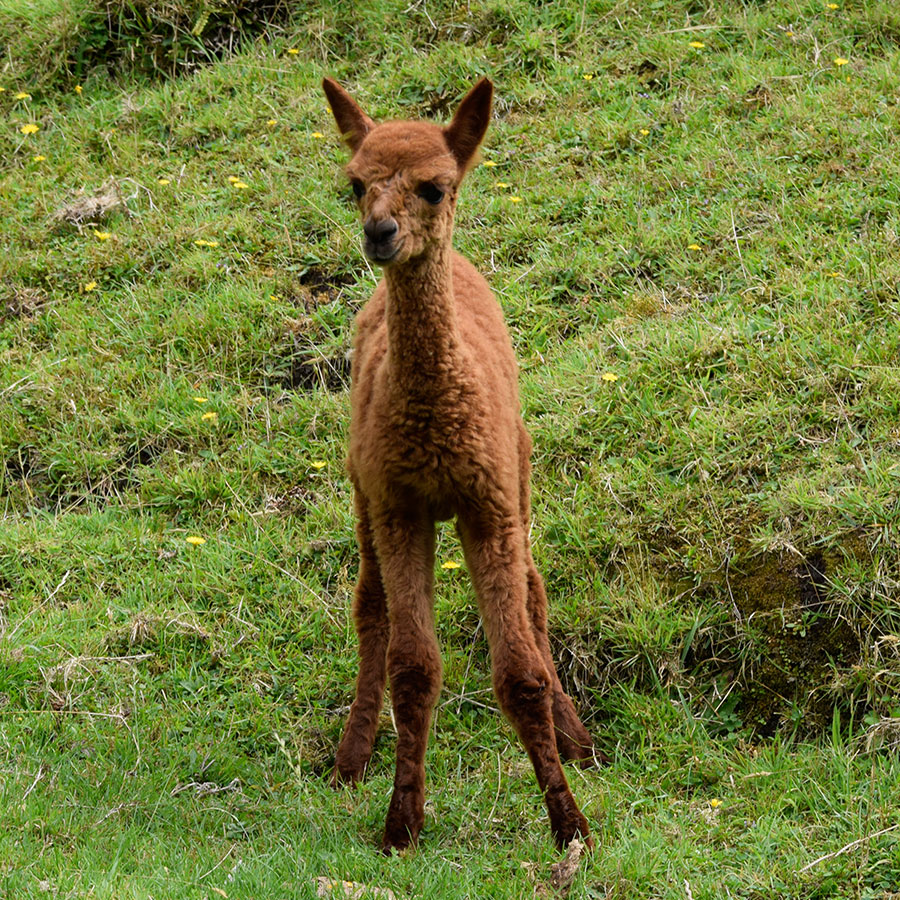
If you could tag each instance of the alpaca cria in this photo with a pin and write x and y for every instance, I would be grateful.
(436, 432)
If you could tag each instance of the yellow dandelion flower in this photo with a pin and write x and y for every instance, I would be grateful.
(833, 274)
(317, 134)
(693, 246)
(163, 181)
(102, 235)
(588, 77)
(609, 376)
(195, 540)
(90, 286)
(2, 90)
(274, 297)
(78, 88)
(39, 158)
(233, 179)
(21, 95)
(715, 803)
(272, 122)
(502, 184)
(645, 132)
(450, 564)
(318, 463)
(30, 128)
(840, 61)
(489, 163)
(293, 51)
(210, 417)
(789, 33)
(831, 5)
(201, 399)
(240, 185)
(697, 45)
(515, 199)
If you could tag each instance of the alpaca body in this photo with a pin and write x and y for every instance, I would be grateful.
(438, 436)
(436, 432)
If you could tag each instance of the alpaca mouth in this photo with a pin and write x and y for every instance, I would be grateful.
(381, 253)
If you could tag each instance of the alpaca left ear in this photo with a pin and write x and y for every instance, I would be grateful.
(465, 132)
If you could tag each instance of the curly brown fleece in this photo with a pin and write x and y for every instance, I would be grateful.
(436, 432)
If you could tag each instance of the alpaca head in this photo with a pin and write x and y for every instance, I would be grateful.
(406, 175)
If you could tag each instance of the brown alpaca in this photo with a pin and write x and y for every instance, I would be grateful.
(436, 432)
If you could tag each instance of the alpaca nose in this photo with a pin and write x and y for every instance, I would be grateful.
(379, 231)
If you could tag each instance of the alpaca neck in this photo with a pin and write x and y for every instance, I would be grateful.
(423, 334)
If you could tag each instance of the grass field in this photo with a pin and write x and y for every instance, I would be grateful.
(691, 216)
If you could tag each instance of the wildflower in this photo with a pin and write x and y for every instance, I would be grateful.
(200, 242)
(87, 288)
(833, 274)
(272, 122)
(693, 246)
(831, 5)
(789, 33)
(78, 88)
(39, 158)
(697, 45)
(210, 417)
(489, 163)
(21, 95)
(30, 128)
(317, 134)
(645, 132)
(318, 463)
(587, 77)
(240, 185)
(450, 564)
(501, 184)
(201, 399)
(293, 51)
(2, 90)
(515, 199)
(195, 540)
(715, 803)
(840, 61)
(163, 181)
(609, 376)
(102, 235)
(233, 179)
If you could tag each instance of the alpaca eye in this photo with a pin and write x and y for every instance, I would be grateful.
(431, 193)
(358, 188)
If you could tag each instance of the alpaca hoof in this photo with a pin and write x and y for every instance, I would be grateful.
(405, 818)
(345, 774)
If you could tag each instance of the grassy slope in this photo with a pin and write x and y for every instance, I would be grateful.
(753, 425)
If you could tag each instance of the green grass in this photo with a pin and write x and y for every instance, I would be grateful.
(717, 524)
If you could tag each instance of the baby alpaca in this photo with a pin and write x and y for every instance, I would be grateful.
(436, 432)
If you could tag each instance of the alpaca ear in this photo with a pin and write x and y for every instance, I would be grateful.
(352, 122)
(464, 133)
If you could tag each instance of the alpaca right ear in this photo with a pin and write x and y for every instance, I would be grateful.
(352, 122)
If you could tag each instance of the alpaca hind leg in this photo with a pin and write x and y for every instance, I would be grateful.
(406, 550)
(572, 738)
(370, 618)
(523, 682)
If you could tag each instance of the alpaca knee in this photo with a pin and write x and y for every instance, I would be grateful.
(415, 679)
(522, 693)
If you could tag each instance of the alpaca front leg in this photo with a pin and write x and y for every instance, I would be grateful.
(406, 552)
(523, 682)
(370, 618)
